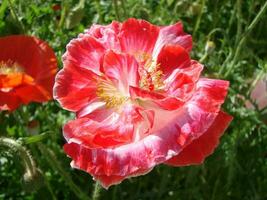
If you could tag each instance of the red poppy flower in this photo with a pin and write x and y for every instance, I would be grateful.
(27, 71)
(139, 101)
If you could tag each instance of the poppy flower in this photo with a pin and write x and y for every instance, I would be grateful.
(27, 71)
(259, 94)
(139, 101)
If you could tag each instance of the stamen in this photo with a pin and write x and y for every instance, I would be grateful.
(9, 67)
(110, 94)
(151, 78)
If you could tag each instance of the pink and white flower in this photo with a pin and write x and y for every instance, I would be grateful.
(139, 101)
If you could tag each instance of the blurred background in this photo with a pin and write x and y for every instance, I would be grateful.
(230, 39)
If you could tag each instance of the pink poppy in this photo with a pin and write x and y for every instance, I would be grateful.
(139, 101)
(259, 94)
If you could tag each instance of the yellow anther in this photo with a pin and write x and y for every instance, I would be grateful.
(110, 94)
(9, 67)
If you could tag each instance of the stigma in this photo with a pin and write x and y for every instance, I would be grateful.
(151, 76)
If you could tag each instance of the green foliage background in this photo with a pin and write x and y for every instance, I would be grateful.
(237, 169)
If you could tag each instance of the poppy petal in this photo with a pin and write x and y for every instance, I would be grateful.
(172, 35)
(196, 152)
(123, 68)
(209, 94)
(74, 89)
(138, 36)
(85, 53)
(106, 35)
(116, 129)
(9, 101)
(172, 57)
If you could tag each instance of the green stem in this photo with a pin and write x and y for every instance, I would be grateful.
(56, 165)
(35, 138)
(117, 13)
(96, 192)
(239, 20)
(47, 184)
(244, 38)
(199, 17)
(63, 15)
(15, 16)
(201, 60)
(124, 9)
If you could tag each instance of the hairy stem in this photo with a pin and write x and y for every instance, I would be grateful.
(96, 192)
(199, 17)
(244, 38)
(15, 16)
(117, 13)
(15, 147)
(56, 165)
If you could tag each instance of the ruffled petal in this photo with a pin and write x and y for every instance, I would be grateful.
(173, 57)
(122, 69)
(196, 152)
(138, 36)
(85, 52)
(173, 132)
(116, 129)
(172, 35)
(106, 35)
(150, 98)
(209, 94)
(75, 89)
(121, 162)
(106, 181)
(182, 82)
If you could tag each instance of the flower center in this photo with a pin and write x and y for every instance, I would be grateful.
(151, 76)
(10, 67)
(108, 93)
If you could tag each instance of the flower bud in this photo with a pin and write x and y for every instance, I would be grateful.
(210, 46)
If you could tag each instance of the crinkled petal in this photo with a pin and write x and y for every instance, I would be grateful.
(106, 35)
(182, 82)
(122, 69)
(116, 129)
(106, 181)
(138, 36)
(75, 89)
(175, 131)
(147, 98)
(173, 57)
(209, 94)
(196, 152)
(85, 52)
(172, 35)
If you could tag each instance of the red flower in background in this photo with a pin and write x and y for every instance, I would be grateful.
(138, 99)
(27, 71)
